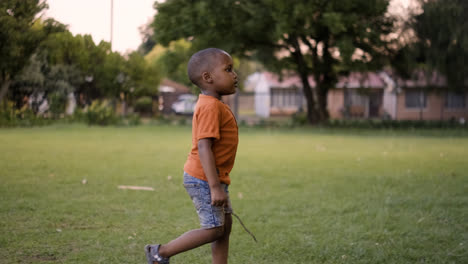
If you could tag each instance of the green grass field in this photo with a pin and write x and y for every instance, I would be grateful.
(309, 195)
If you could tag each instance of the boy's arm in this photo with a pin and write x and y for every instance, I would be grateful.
(218, 195)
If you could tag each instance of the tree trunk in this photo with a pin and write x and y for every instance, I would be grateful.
(312, 115)
(326, 81)
(4, 89)
(322, 93)
(311, 111)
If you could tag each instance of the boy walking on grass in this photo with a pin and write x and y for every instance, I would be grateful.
(206, 171)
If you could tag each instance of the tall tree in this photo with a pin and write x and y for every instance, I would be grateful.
(322, 38)
(20, 35)
(99, 68)
(141, 78)
(442, 31)
(147, 38)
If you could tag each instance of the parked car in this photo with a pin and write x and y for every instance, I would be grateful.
(185, 104)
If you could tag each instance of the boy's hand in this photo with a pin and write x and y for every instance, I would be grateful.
(218, 196)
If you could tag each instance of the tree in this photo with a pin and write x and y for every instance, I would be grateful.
(99, 68)
(147, 39)
(322, 38)
(442, 32)
(172, 61)
(20, 34)
(41, 80)
(141, 79)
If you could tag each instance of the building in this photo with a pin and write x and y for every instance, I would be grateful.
(367, 95)
(169, 93)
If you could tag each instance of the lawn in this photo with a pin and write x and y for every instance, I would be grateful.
(309, 195)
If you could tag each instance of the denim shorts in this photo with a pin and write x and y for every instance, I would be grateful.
(199, 191)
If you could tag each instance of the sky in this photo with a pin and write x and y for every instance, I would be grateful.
(93, 17)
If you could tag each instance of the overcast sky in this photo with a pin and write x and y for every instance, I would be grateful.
(93, 17)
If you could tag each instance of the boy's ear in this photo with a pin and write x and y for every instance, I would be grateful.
(206, 77)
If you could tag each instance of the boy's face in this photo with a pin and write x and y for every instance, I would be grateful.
(223, 75)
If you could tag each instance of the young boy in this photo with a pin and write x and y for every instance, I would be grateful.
(206, 171)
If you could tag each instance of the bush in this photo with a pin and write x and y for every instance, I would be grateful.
(144, 105)
(101, 113)
(395, 124)
(299, 119)
(58, 103)
(7, 114)
(25, 117)
(132, 119)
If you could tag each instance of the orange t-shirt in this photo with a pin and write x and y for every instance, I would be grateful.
(213, 119)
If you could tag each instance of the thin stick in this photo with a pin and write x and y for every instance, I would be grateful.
(135, 188)
(245, 228)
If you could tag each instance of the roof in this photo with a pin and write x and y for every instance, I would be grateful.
(361, 80)
(419, 79)
(286, 81)
(170, 86)
(379, 80)
(354, 80)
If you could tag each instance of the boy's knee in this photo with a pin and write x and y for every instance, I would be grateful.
(218, 232)
(222, 231)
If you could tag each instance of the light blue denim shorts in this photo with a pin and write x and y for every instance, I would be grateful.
(199, 191)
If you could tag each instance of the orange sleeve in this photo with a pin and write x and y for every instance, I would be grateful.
(208, 120)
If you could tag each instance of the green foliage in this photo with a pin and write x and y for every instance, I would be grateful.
(132, 119)
(140, 78)
(65, 63)
(443, 39)
(172, 61)
(7, 114)
(39, 78)
(20, 33)
(42, 59)
(18, 37)
(144, 105)
(397, 124)
(97, 66)
(299, 119)
(57, 104)
(101, 113)
(103, 73)
(10, 116)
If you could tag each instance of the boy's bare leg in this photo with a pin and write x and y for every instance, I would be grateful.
(220, 247)
(190, 240)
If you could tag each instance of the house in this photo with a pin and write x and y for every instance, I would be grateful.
(366, 95)
(275, 95)
(426, 97)
(169, 93)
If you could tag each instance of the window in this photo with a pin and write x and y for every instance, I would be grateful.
(455, 100)
(358, 99)
(281, 97)
(415, 99)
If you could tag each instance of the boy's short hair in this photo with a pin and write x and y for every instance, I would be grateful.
(202, 61)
